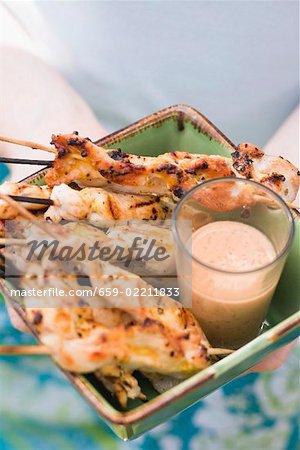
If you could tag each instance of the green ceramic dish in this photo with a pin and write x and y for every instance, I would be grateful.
(183, 128)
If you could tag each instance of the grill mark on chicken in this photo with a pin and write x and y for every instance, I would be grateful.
(149, 322)
(118, 154)
(113, 207)
(147, 203)
(62, 152)
(126, 169)
(197, 167)
(274, 178)
(75, 141)
(243, 158)
(154, 214)
(170, 169)
(37, 317)
(179, 192)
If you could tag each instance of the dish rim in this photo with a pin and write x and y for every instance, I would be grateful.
(179, 111)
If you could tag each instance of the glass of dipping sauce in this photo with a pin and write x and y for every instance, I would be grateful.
(233, 236)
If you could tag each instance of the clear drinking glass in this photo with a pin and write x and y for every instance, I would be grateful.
(231, 304)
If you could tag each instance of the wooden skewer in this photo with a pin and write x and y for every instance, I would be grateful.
(12, 241)
(296, 213)
(293, 207)
(23, 211)
(26, 214)
(35, 200)
(30, 162)
(42, 350)
(23, 350)
(33, 145)
(219, 351)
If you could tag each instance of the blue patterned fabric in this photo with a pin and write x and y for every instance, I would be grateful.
(4, 172)
(40, 410)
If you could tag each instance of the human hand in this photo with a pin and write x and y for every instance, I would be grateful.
(274, 360)
(15, 319)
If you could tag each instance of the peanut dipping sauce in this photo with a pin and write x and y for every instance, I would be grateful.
(230, 297)
(232, 246)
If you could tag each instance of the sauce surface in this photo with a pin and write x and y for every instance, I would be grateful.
(230, 298)
(232, 246)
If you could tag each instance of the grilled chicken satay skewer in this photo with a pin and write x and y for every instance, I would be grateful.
(114, 326)
(161, 335)
(150, 346)
(175, 172)
(117, 380)
(89, 164)
(78, 159)
(154, 316)
(164, 339)
(94, 204)
(89, 203)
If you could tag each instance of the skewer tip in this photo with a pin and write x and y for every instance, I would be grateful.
(24, 143)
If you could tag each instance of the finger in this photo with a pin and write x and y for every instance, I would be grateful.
(274, 360)
(16, 321)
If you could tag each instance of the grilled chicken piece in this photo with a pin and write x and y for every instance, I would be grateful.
(164, 339)
(173, 347)
(24, 190)
(80, 160)
(115, 378)
(274, 172)
(97, 204)
(121, 383)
